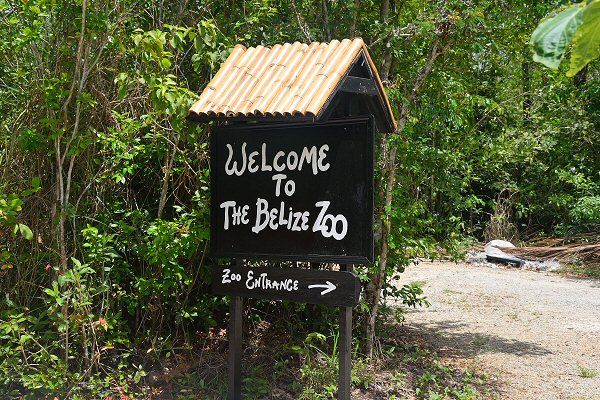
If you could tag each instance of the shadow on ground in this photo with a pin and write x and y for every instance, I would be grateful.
(594, 282)
(452, 341)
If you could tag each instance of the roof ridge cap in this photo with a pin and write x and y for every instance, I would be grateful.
(269, 47)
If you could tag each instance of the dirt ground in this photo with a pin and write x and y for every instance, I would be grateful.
(539, 331)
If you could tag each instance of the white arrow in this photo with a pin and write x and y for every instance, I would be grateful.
(329, 287)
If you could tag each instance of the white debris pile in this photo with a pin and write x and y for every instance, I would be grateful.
(495, 253)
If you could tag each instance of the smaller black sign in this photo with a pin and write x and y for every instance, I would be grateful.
(337, 288)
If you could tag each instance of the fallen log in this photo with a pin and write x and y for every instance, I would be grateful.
(543, 253)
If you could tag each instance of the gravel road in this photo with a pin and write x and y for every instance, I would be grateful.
(539, 331)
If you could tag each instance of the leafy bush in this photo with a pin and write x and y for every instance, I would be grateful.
(586, 212)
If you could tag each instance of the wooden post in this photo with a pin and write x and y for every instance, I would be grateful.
(345, 348)
(234, 379)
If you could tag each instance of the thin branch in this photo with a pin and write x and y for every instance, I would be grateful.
(301, 23)
(78, 58)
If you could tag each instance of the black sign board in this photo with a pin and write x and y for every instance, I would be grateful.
(336, 288)
(293, 192)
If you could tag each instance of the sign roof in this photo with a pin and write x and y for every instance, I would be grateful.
(288, 80)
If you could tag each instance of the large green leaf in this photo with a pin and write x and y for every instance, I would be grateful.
(25, 231)
(554, 34)
(586, 42)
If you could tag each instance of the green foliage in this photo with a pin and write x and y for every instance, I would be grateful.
(318, 370)
(439, 381)
(412, 295)
(20, 334)
(10, 207)
(255, 386)
(320, 365)
(586, 212)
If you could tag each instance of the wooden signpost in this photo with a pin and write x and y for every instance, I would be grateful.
(292, 150)
(292, 192)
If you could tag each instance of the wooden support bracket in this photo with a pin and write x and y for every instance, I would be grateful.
(234, 386)
(345, 349)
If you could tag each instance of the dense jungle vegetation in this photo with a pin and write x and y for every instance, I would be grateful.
(104, 188)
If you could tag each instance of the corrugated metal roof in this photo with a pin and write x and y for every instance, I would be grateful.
(285, 80)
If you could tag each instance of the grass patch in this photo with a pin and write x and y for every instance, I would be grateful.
(587, 270)
(513, 316)
(282, 361)
(452, 291)
(587, 373)
(278, 364)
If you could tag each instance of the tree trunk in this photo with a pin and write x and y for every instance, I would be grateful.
(386, 58)
(354, 18)
(301, 22)
(326, 20)
(168, 168)
(384, 12)
(526, 84)
(580, 78)
(64, 170)
(389, 156)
